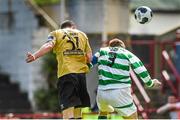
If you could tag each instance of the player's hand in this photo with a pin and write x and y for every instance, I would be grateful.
(90, 65)
(29, 57)
(157, 83)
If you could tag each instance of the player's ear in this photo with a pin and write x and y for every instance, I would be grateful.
(73, 27)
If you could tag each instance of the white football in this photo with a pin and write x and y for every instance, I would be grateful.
(143, 14)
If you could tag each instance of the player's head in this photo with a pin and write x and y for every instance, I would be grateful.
(116, 43)
(68, 24)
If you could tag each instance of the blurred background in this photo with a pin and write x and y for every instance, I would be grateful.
(29, 90)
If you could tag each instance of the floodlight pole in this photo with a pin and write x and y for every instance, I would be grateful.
(62, 10)
(104, 23)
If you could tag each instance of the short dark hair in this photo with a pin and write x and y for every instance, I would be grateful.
(116, 43)
(67, 23)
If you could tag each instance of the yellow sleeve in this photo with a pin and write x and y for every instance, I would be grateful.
(52, 37)
(88, 48)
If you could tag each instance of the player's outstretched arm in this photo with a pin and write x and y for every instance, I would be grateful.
(42, 51)
(139, 68)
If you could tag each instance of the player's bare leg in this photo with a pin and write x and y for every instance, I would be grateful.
(68, 113)
(72, 113)
(134, 116)
(77, 113)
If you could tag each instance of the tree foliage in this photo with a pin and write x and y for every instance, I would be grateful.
(47, 2)
(47, 99)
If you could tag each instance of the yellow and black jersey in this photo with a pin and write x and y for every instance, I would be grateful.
(70, 47)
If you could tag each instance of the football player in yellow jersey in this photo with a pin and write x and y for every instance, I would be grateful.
(73, 54)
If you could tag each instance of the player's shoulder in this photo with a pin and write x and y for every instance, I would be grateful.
(102, 49)
(59, 31)
(123, 50)
(82, 33)
(55, 32)
(127, 53)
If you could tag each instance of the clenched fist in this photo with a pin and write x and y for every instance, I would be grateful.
(157, 83)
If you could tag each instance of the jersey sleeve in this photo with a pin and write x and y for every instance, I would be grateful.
(87, 46)
(95, 58)
(140, 69)
(52, 37)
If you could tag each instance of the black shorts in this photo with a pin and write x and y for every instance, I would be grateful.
(73, 91)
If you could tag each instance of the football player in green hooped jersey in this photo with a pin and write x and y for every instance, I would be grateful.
(73, 54)
(114, 88)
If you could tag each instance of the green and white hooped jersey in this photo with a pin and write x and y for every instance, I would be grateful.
(114, 66)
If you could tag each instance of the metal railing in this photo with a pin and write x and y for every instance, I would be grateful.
(166, 77)
(140, 107)
(142, 91)
(172, 67)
